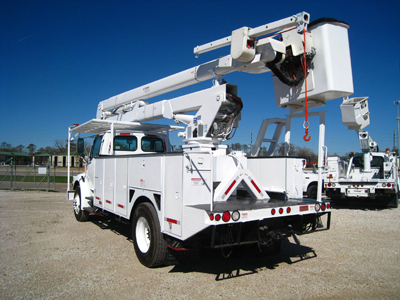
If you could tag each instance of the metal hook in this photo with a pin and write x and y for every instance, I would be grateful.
(305, 136)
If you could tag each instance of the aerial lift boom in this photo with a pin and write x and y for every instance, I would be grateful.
(248, 54)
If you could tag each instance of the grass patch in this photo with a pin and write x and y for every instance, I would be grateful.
(39, 178)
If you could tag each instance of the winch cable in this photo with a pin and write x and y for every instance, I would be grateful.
(306, 124)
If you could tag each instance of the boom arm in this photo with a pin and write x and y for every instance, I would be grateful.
(218, 109)
(247, 55)
(300, 21)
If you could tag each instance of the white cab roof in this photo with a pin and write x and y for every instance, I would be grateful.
(96, 126)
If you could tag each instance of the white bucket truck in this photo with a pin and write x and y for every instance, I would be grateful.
(367, 175)
(203, 196)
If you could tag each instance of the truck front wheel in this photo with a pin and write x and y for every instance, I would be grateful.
(80, 214)
(150, 245)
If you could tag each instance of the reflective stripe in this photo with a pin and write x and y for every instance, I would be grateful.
(255, 185)
(230, 187)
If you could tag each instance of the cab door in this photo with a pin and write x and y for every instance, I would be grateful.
(91, 173)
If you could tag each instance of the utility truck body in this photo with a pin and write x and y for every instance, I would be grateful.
(205, 198)
(177, 202)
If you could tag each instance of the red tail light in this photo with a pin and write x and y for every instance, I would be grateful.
(273, 211)
(217, 217)
(226, 216)
(281, 210)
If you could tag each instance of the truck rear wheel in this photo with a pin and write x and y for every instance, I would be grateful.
(80, 214)
(150, 245)
(394, 201)
(312, 191)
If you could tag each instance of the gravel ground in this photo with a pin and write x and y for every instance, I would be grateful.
(46, 254)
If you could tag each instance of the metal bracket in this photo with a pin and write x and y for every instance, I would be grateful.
(303, 19)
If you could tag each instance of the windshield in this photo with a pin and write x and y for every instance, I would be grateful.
(96, 147)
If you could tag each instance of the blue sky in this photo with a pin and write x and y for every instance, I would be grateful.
(60, 58)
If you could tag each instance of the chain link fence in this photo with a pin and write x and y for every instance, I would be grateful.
(17, 177)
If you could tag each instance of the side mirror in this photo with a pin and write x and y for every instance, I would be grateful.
(81, 147)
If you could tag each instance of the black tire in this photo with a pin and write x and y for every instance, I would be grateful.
(80, 214)
(150, 245)
(312, 191)
(394, 201)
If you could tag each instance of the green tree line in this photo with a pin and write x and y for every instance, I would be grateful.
(59, 146)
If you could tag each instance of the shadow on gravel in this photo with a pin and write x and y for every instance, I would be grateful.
(244, 262)
(361, 204)
(113, 225)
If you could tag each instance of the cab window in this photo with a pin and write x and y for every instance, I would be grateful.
(377, 162)
(96, 147)
(125, 143)
(358, 162)
(152, 144)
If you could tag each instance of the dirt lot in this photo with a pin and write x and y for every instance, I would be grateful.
(46, 254)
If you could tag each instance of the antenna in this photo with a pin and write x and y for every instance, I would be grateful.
(398, 125)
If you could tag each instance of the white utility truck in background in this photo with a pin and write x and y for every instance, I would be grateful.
(310, 184)
(367, 175)
(204, 197)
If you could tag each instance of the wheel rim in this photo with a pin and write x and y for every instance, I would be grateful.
(143, 235)
(76, 204)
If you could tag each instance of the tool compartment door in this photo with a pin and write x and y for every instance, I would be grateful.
(121, 189)
(109, 177)
(197, 179)
(144, 173)
(172, 202)
(98, 182)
